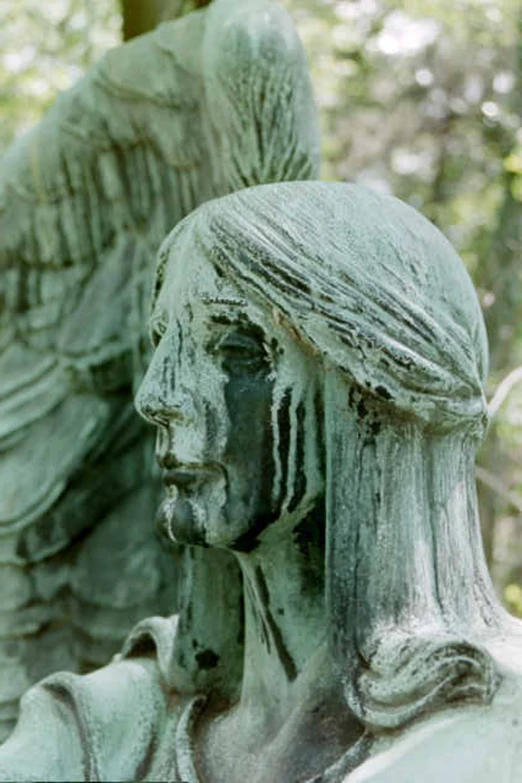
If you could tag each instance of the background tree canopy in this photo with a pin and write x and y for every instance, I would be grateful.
(421, 98)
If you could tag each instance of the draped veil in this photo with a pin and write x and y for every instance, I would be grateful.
(382, 299)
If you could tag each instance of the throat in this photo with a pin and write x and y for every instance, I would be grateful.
(290, 716)
(285, 621)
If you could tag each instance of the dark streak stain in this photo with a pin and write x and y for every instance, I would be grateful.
(300, 478)
(319, 420)
(310, 539)
(143, 768)
(375, 427)
(284, 656)
(212, 428)
(207, 659)
(383, 392)
(283, 426)
(180, 338)
(260, 622)
(361, 408)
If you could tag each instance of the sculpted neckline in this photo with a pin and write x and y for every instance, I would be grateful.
(185, 748)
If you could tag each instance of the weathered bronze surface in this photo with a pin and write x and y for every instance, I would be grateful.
(317, 392)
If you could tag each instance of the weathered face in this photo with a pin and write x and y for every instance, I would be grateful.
(237, 408)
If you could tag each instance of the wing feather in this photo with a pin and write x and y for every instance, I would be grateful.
(85, 199)
(192, 110)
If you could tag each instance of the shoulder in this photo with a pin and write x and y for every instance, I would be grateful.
(463, 745)
(74, 727)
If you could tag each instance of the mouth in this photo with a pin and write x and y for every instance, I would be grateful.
(189, 476)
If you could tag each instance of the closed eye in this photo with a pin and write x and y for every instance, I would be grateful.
(242, 346)
(244, 350)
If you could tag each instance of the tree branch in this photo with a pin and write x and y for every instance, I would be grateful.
(503, 389)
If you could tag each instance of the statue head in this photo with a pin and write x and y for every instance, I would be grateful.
(320, 349)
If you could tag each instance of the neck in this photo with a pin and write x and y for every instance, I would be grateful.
(291, 714)
(286, 662)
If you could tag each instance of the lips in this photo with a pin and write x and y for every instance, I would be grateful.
(189, 476)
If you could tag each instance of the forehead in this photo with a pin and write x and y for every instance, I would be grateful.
(190, 281)
(194, 293)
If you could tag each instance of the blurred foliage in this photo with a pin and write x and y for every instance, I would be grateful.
(44, 49)
(422, 98)
(513, 598)
(416, 100)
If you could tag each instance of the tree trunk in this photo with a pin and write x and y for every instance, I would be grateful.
(140, 16)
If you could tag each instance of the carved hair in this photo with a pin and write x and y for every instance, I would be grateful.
(382, 298)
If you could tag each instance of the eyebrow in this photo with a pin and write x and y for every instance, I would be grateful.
(228, 301)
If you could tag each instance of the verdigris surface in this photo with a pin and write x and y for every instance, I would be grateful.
(317, 391)
(202, 106)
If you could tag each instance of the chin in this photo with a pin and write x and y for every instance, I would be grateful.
(177, 522)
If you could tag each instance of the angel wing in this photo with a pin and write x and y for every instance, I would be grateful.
(214, 101)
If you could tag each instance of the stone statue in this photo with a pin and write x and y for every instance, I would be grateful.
(213, 102)
(317, 391)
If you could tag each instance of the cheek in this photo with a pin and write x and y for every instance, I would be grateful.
(248, 507)
(249, 448)
(272, 455)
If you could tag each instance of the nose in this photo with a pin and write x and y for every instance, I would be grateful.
(155, 412)
(159, 399)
